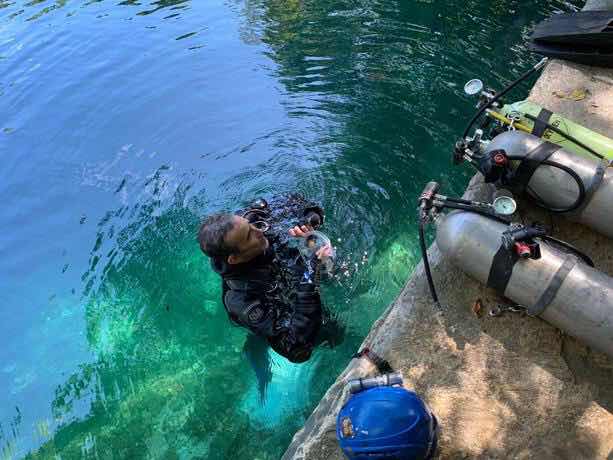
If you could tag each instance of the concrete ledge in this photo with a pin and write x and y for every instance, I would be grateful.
(507, 387)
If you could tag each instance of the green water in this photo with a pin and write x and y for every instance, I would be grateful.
(122, 124)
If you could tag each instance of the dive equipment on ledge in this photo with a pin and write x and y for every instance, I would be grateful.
(490, 99)
(531, 118)
(543, 123)
(533, 271)
(557, 180)
(547, 277)
(569, 175)
(585, 37)
(586, 28)
(430, 204)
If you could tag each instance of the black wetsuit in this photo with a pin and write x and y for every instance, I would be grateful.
(276, 295)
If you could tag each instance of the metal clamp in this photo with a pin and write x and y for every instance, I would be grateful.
(514, 117)
(500, 310)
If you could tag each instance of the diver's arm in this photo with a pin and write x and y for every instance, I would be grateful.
(250, 311)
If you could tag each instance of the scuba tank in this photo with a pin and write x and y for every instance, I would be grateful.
(569, 175)
(551, 283)
(528, 117)
(544, 276)
(579, 187)
(534, 119)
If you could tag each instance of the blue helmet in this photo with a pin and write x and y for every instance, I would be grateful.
(386, 423)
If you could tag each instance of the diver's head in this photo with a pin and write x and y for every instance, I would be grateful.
(231, 237)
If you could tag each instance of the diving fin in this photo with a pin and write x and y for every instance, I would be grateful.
(584, 55)
(585, 37)
(584, 28)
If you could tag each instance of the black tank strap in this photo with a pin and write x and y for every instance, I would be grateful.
(501, 269)
(531, 162)
(540, 124)
(547, 297)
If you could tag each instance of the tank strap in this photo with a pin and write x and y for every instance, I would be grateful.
(554, 285)
(531, 162)
(540, 124)
(592, 187)
(501, 269)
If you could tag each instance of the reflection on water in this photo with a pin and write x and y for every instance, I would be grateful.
(127, 122)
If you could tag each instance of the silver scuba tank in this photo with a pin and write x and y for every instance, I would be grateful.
(556, 187)
(558, 287)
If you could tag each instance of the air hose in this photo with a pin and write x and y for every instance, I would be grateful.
(424, 256)
(580, 185)
(570, 248)
(573, 139)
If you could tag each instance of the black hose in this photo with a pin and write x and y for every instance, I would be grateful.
(498, 96)
(580, 199)
(574, 140)
(476, 211)
(457, 200)
(570, 248)
(424, 255)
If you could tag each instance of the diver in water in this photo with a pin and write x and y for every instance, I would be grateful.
(269, 288)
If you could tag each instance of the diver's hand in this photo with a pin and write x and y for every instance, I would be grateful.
(300, 231)
(324, 252)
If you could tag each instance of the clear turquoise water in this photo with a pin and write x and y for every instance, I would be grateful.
(123, 123)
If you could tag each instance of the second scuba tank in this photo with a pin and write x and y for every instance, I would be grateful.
(530, 161)
(554, 285)
(535, 117)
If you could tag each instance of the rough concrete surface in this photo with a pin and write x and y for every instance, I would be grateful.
(506, 387)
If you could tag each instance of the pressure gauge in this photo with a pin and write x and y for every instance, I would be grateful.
(473, 87)
(504, 205)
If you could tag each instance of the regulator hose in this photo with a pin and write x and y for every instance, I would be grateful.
(540, 64)
(570, 248)
(573, 139)
(580, 185)
(424, 256)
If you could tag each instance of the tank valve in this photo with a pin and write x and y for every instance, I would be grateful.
(500, 159)
(520, 239)
(523, 250)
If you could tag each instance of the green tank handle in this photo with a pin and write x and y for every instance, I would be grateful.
(518, 112)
